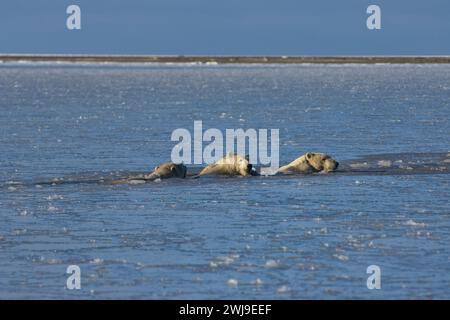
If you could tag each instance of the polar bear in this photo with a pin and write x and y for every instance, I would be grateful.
(167, 170)
(310, 163)
(163, 171)
(230, 165)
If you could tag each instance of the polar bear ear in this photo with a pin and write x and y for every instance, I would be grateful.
(309, 155)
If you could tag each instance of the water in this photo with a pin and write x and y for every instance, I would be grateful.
(253, 238)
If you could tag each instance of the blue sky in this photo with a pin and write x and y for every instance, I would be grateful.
(226, 27)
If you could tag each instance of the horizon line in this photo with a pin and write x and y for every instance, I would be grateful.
(227, 59)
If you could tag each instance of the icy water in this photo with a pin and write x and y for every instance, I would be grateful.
(291, 237)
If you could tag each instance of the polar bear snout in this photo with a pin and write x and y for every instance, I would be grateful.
(330, 165)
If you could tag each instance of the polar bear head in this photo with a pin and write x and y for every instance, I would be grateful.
(168, 170)
(321, 162)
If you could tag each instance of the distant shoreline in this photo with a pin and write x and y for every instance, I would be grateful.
(15, 58)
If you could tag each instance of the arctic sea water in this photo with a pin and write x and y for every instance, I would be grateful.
(65, 129)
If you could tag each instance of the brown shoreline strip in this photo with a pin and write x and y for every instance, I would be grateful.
(227, 59)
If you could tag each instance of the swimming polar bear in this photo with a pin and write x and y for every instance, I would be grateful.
(230, 165)
(163, 171)
(310, 163)
(167, 170)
